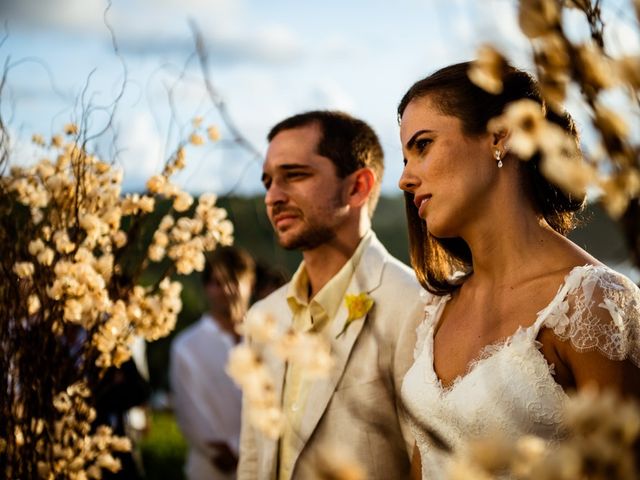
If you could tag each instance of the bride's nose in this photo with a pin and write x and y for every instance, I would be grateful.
(408, 181)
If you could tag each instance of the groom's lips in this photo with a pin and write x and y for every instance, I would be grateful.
(284, 218)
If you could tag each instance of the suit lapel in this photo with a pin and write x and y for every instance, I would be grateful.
(366, 278)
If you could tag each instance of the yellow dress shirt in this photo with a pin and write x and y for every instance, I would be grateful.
(309, 315)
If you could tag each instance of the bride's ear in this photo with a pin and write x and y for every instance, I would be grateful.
(499, 139)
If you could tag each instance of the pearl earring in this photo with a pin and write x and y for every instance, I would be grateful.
(497, 155)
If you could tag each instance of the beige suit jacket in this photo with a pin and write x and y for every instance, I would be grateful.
(356, 408)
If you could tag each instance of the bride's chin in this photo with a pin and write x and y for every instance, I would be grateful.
(440, 231)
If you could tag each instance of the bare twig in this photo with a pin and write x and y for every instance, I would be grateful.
(4, 135)
(113, 106)
(596, 24)
(217, 99)
(6, 33)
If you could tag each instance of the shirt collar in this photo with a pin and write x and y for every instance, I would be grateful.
(328, 300)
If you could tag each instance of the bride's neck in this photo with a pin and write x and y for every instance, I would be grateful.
(508, 246)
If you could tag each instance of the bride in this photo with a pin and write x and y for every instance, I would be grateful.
(518, 315)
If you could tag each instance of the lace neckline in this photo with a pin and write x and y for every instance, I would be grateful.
(577, 273)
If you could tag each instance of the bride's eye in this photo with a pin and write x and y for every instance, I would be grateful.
(422, 144)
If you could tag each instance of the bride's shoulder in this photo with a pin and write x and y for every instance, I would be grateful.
(599, 283)
(432, 305)
(597, 308)
(432, 302)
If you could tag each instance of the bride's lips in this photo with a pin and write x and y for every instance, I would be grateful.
(420, 201)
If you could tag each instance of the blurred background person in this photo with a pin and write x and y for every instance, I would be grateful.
(121, 396)
(206, 401)
(268, 279)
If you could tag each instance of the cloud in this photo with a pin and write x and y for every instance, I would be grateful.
(500, 27)
(268, 60)
(621, 38)
(340, 47)
(82, 16)
(23, 152)
(220, 170)
(328, 94)
(270, 45)
(141, 150)
(161, 27)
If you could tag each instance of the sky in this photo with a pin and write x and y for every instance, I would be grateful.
(267, 60)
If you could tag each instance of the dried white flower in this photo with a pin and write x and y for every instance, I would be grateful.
(182, 202)
(525, 122)
(23, 269)
(487, 70)
(33, 304)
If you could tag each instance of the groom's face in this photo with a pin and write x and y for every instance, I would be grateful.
(306, 201)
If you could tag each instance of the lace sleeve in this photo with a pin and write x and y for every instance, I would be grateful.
(432, 305)
(421, 334)
(600, 312)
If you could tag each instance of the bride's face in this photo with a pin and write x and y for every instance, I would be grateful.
(449, 173)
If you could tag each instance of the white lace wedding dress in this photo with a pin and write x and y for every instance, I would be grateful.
(511, 389)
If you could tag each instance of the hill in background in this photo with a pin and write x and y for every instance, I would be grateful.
(599, 235)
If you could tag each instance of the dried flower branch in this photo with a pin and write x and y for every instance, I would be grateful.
(312, 352)
(559, 63)
(75, 253)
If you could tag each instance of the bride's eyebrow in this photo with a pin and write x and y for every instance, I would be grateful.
(409, 145)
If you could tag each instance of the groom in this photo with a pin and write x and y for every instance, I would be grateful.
(322, 178)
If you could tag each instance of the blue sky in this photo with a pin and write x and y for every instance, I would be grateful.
(268, 59)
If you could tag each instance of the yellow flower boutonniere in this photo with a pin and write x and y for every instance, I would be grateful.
(357, 306)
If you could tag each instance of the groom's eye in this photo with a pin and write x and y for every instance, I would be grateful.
(296, 175)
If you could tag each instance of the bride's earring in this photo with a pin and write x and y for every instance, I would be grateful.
(497, 156)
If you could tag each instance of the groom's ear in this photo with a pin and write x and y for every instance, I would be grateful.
(362, 184)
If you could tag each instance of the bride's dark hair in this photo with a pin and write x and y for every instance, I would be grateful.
(435, 260)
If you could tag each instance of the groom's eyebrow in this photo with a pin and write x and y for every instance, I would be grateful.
(294, 166)
(409, 145)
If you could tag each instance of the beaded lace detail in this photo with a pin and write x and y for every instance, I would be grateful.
(433, 304)
(597, 309)
(510, 388)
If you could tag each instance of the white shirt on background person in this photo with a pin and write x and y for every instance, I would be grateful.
(207, 403)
